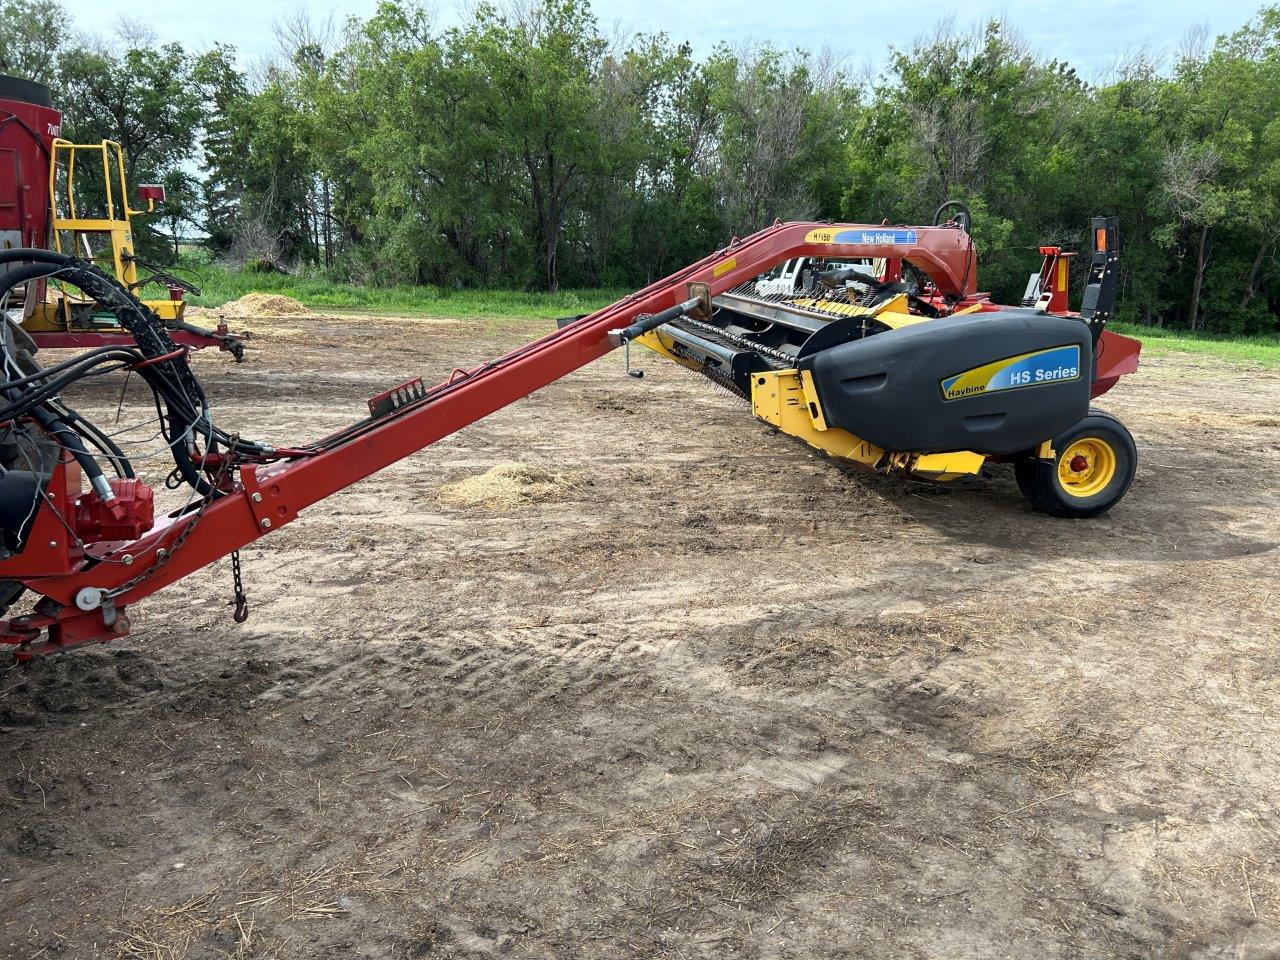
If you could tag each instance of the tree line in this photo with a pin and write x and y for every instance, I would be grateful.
(526, 147)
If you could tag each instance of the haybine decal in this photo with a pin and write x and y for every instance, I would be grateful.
(883, 237)
(1055, 365)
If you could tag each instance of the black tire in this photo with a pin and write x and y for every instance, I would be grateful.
(1024, 471)
(1108, 458)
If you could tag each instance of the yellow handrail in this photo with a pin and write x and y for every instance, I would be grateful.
(115, 224)
(112, 185)
(106, 182)
(115, 188)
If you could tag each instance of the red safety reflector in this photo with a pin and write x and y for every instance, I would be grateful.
(1100, 239)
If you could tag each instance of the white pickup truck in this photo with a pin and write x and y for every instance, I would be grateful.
(800, 273)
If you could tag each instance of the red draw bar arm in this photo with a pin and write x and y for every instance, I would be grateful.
(273, 496)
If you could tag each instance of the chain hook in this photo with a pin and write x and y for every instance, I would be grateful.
(240, 600)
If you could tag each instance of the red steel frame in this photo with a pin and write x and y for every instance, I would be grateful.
(268, 497)
(84, 339)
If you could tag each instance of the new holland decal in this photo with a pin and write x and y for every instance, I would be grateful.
(1055, 365)
(874, 237)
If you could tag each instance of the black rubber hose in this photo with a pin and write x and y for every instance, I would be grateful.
(968, 216)
(69, 440)
(90, 359)
(62, 424)
(147, 331)
(183, 411)
(170, 379)
(20, 275)
(831, 278)
(90, 431)
(134, 316)
(16, 276)
(48, 390)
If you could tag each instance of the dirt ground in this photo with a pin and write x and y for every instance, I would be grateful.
(712, 696)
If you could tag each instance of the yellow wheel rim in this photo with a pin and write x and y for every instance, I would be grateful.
(1086, 467)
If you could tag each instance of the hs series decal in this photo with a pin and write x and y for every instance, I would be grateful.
(1054, 365)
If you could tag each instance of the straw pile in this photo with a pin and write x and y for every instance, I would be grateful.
(264, 305)
(252, 306)
(506, 486)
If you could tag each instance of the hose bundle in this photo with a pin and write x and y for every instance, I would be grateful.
(181, 405)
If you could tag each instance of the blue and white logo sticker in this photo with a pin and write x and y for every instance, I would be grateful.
(888, 236)
(1056, 365)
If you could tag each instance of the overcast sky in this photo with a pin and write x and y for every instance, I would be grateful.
(1088, 35)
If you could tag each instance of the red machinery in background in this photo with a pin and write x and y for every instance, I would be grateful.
(54, 192)
(90, 554)
(28, 127)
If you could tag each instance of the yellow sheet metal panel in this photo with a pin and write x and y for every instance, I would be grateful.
(812, 402)
(834, 307)
(44, 318)
(779, 397)
(785, 398)
(946, 466)
(844, 308)
(167, 309)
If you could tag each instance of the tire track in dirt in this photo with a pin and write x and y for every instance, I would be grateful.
(726, 699)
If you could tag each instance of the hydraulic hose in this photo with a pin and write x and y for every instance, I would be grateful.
(51, 420)
(965, 220)
(73, 443)
(182, 405)
(168, 378)
(109, 447)
(150, 335)
(833, 278)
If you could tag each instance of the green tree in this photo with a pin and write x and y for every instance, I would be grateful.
(524, 147)
(181, 207)
(144, 99)
(1234, 113)
(972, 117)
(31, 38)
(782, 131)
(529, 79)
(224, 95)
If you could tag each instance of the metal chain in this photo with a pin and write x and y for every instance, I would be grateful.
(164, 555)
(240, 600)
